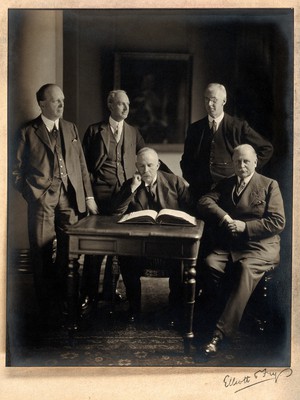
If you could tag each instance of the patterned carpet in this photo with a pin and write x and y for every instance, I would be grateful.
(103, 340)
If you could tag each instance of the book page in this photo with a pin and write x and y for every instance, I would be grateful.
(137, 214)
(178, 214)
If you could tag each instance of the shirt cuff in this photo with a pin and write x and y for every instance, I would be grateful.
(89, 198)
(223, 219)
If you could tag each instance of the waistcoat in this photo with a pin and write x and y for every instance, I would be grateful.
(112, 170)
(60, 170)
(220, 162)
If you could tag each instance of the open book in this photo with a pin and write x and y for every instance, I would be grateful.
(165, 216)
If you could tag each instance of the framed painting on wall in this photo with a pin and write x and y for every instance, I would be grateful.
(159, 87)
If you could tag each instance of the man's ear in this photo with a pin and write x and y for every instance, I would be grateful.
(224, 102)
(109, 106)
(158, 164)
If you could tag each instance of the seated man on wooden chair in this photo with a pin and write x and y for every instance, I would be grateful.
(150, 188)
(247, 214)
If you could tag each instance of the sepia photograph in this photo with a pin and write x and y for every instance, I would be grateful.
(150, 193)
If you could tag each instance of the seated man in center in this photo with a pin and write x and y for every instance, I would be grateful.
(152, 189)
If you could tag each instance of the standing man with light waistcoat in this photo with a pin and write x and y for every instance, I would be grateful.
(50, 172)
(110, 149)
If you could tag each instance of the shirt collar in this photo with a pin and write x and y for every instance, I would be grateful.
(246, 180)
(153, 182)
(218, 119)
(49, 123)
(113, 124)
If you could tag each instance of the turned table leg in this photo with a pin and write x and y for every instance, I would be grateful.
(189, 300)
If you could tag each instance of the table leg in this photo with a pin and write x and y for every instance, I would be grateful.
(189, 281)
(72, 295)
(115, 273)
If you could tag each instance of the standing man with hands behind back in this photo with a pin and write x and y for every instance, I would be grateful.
(50, 171)
(209, 144)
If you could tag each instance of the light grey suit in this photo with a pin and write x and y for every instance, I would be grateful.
(51, 205)
(254, 251)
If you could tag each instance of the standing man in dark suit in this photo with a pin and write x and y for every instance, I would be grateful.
(50, 171)
(247, 214)
(152, 189)
(209, 144)
(110, 149)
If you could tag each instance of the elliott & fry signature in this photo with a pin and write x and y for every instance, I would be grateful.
(260, 376)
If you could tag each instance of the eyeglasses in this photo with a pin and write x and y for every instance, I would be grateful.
(214, 100)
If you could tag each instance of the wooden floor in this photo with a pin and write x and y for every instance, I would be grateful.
(103, 340)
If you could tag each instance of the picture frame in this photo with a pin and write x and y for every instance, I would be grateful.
(159, 89)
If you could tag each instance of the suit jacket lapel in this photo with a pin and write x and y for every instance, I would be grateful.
(252, 191)
(127, 137)
(162, 190)
(42, 133)
(141, 197)
(66, 138)
(255, 189)
(202, 133)
(105, 133)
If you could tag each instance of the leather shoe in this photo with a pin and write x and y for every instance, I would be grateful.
(87, 305)
(118, 297)
(212, 347)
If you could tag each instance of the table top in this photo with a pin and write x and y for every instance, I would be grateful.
(101, 225)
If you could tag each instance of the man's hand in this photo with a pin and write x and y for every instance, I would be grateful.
(226, 220)
(136, 181)
(236, 226)
(92, 206)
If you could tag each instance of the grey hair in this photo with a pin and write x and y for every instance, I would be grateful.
(112, 94)
(242, 147)
(146, 150)
(220, 87)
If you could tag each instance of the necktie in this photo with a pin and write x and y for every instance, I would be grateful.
(53, 135)
(240, 187)
(151, 196)
(150, 191)
(117, 133)
(214, 127)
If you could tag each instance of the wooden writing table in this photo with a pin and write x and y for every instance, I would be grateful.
(102, 235)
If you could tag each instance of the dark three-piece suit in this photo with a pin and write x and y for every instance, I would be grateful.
(170, 191)
(207, 157)
(109, 164)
